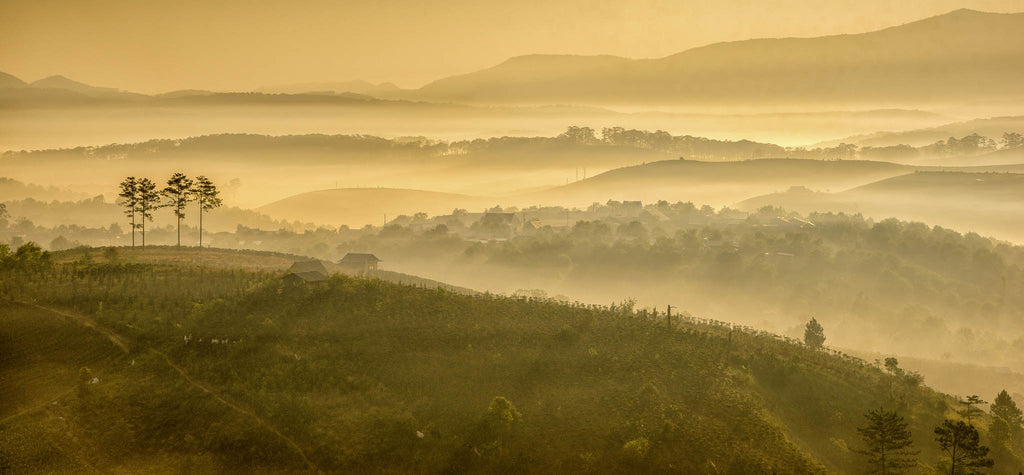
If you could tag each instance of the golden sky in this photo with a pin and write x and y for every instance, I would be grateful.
(158, 46)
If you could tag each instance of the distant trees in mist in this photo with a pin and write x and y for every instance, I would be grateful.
(357, 148)
(704, 148)
(139, 197)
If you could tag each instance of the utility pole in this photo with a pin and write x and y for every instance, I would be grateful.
(668, 317)
(385, 219)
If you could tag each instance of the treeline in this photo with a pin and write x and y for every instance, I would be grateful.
(405, 148)
(96, 222)
(140, 198)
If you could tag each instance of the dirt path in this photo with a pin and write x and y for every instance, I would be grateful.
(48, 403)
(124, 346)
(88, 323)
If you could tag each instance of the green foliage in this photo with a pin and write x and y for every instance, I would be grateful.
(888, 442)
(962, 445)
(636, 450)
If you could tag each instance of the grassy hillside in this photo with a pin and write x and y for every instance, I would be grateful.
(232, 370)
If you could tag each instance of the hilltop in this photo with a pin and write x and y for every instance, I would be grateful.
(946, 56)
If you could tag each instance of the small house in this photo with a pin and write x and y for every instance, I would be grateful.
(308, 277)
(359, 262)
(304, 272)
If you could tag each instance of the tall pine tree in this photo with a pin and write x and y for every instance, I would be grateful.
(1004, 407)
(129, 198)
(888, 442)
(178, 193)
(206, 194)
(148, 200)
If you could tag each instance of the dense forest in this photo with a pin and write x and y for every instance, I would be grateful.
(204, 369)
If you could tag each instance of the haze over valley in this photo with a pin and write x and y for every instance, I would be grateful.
(303, 244)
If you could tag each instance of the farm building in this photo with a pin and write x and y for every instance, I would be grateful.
(359, 262)
(306, 272)
(307, 277)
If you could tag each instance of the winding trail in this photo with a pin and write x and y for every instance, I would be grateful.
(49, 402)
(124, 345)
(88, 323)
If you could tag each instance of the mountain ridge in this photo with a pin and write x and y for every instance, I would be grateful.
(965, 45)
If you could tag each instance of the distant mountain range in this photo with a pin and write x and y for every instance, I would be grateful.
(959, 56)
(964, 56)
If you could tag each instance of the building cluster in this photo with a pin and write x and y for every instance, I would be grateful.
(314, 271)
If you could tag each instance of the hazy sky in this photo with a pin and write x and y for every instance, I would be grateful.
(157, 46)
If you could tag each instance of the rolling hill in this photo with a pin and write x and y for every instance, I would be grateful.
(961, 56)
(992, 128)
(361, 206)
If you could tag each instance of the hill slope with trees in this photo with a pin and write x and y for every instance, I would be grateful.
(227, 369)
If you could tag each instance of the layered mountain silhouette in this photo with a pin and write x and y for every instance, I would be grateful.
(962, 55)
(8, 81)
(959, 57)
(61, 82)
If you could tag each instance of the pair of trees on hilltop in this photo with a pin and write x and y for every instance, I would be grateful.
(140, 197)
